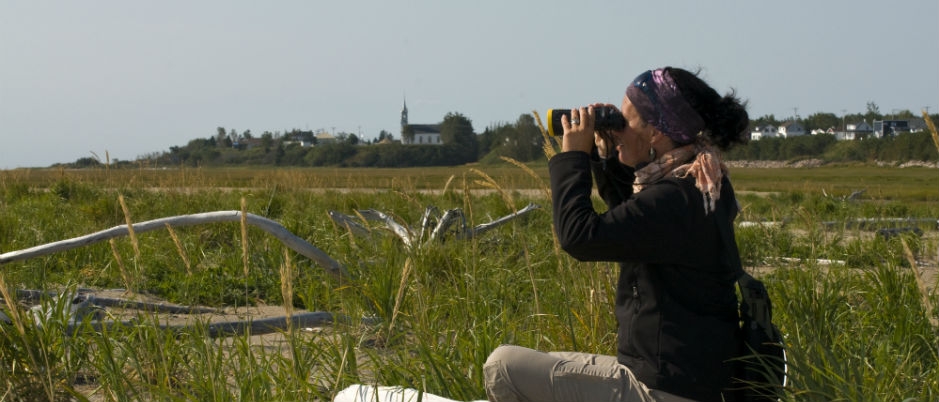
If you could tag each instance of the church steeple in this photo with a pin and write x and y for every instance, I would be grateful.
(404, 116)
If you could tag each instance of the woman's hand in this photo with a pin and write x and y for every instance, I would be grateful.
(603, 142)
(578, 130)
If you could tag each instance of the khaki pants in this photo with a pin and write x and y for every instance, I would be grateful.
(517, 374)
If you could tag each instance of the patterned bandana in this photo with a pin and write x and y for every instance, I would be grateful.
(660, 103)
(699, 160)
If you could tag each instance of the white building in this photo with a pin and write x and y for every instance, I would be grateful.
(790, 129)
(764, 131)
(418, 134)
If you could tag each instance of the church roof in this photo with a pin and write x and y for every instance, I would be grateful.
(425, 128)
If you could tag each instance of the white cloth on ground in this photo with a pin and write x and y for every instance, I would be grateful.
(374, 393)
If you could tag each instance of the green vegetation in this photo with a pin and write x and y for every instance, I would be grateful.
(902, 147)
(521, 141)
(858, 330)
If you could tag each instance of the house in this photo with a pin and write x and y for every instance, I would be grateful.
(418, 134)
(424, 134)
(917, 124)
(820, 131)
(890, 127)
(764, 131)
(790, 129)
(323, 138)
(855, 131)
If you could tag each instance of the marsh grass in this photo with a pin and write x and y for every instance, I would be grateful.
(859, 330)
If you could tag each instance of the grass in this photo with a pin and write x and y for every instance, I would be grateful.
(855, 331)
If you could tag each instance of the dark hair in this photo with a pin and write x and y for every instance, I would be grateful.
(725, 117)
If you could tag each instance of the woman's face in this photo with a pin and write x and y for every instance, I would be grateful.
(634, 141)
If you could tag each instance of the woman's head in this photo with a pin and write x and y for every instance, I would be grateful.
(682, 107)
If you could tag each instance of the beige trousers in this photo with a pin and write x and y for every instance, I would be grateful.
(517, 374)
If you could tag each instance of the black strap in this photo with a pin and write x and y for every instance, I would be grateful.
(755, 299)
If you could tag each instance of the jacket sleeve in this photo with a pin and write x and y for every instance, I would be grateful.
(614, 180)
(643, 227)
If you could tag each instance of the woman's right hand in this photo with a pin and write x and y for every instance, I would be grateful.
(578, 130)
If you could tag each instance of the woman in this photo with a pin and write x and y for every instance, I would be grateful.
(666, 190)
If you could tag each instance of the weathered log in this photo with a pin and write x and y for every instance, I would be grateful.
(260, 326)
(276, 229)
(412, 238)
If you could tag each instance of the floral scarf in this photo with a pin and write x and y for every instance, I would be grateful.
(700, 160)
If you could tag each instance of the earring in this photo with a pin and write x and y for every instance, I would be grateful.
(651, 153)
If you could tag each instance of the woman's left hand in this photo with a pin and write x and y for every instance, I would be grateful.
(578, 130)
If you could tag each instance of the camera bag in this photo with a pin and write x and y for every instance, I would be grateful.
(761, 365)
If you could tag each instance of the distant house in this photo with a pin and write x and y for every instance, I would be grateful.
(246, 143)
(820, 131)
(418, 134)
(424, 134)
(890, 127)
(790, 129)
(855, 131)
(917, 124)
(323, 138)
(764, 131)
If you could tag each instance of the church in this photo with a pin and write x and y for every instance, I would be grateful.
(418, 134)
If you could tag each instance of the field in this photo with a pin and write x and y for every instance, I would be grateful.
(857, 306)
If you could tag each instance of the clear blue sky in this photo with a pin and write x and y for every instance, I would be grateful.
(128, 78)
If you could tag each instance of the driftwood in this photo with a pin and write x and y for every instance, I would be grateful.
(84, 306)
(85, 309)
(261, 326)
(432, 228)
(880, 223)
(276, 229)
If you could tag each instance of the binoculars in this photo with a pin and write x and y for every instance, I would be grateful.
(607, 118)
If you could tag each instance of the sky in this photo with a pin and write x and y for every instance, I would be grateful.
(113, 79)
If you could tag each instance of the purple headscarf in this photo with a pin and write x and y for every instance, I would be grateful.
(660, 103)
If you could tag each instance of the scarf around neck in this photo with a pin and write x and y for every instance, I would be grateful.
(702, 161)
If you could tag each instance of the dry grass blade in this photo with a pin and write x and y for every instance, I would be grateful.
(544, 187)
(125, 276)
(130, 227)
(244, 236)
(286, 286)
(447, 185)
(548, 146)
(932, 129)
(179, 249)
(489, 182)
(923, 288)
(13, 312)
(399, 297)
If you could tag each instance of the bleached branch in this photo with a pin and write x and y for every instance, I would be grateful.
(275, 229)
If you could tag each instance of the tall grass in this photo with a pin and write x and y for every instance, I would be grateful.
(857, 330)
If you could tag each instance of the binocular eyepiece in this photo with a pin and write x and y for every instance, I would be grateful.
(607, 118)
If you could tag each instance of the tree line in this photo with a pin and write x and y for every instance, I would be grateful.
(521, 140)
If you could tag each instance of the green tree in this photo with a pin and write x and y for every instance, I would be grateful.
(873, 112)
(457, 131)
(523, 141)
(221, 138)
(822, 121)
(407, 133)
(267, 141)
(764, 120)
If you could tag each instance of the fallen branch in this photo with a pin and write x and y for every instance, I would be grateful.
(412, 238)
(276, 229)
(85, 310)
(878, 223)
(262, 326)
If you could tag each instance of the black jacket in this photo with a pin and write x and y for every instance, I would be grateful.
(675, 299)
